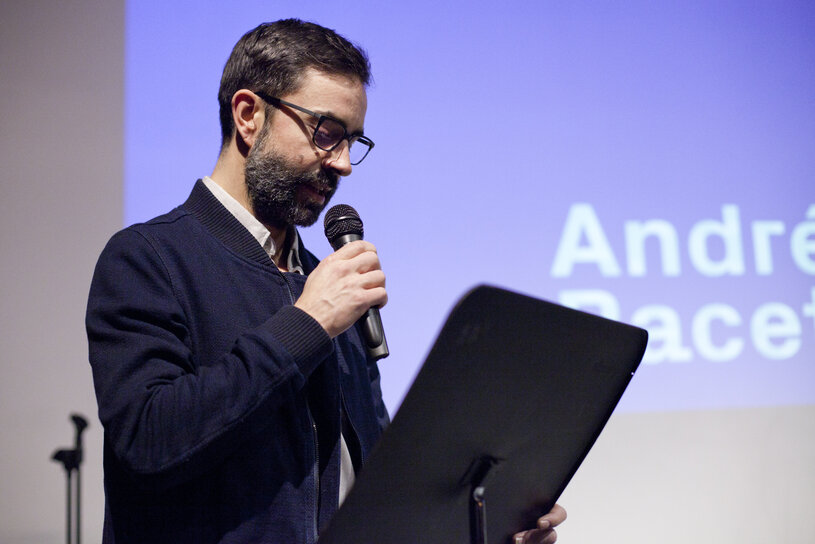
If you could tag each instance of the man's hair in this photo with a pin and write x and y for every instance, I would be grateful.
(274, 57)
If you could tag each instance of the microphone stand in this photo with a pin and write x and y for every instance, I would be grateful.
(71, 460)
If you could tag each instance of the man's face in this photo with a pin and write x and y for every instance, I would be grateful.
(290, 180)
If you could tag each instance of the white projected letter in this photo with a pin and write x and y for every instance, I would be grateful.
(702, 337)
(808, 308)
(802, 243)
(664, 334)
(595, 301)
(729, 230)
(776, 331)
(582, 221)
(762, 230)
(636, 232)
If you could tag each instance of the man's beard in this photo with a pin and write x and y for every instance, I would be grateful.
(273, 189)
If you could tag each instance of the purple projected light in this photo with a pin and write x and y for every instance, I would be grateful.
(651, 163)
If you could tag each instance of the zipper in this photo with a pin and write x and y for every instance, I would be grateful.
(316, 472)
(353, 428)
(288, 285)
(316, 512)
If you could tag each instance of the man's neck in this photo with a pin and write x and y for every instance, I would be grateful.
(281, 256)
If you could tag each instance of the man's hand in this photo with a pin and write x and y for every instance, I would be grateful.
(343, 286)
(545, 533)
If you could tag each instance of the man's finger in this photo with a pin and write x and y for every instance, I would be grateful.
(352, 249)
(365, 262)
(555, 517)
(536, 536)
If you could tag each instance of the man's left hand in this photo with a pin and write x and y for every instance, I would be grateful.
(545, 532)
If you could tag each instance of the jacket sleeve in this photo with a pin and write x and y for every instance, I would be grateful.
(167, 420)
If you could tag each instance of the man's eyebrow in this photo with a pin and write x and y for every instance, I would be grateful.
(329, 113)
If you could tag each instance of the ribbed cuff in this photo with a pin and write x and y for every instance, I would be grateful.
(301, 335)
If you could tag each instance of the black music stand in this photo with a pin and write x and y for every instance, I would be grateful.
(507, 405)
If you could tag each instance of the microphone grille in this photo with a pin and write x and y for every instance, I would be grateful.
(340, 220)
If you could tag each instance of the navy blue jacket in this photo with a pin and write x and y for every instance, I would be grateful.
(222, 403)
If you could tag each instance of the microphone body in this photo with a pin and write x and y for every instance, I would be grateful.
(342, 226)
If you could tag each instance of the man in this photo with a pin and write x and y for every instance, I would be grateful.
(232, 383)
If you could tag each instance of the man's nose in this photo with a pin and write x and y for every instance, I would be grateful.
(339, 159)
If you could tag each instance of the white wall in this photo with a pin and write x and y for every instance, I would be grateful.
(61, 81)
(714, 477)
(741, 476)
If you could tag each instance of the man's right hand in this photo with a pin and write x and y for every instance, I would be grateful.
(343, 286)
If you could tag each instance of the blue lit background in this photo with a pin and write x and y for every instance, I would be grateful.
(492, 120)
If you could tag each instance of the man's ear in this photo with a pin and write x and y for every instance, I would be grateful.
(248, 114)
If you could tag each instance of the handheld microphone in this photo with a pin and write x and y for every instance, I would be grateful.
(343, 225)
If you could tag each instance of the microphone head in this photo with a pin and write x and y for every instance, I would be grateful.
(342, 220)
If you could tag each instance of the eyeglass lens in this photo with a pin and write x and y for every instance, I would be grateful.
(329, 133)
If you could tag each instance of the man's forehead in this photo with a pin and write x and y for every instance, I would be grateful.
(340, 96)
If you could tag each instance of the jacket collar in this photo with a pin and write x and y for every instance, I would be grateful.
(203, 205)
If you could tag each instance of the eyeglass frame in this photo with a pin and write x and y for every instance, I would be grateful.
(350, 138)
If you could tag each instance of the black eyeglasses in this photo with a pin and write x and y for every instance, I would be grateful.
(329, 132)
